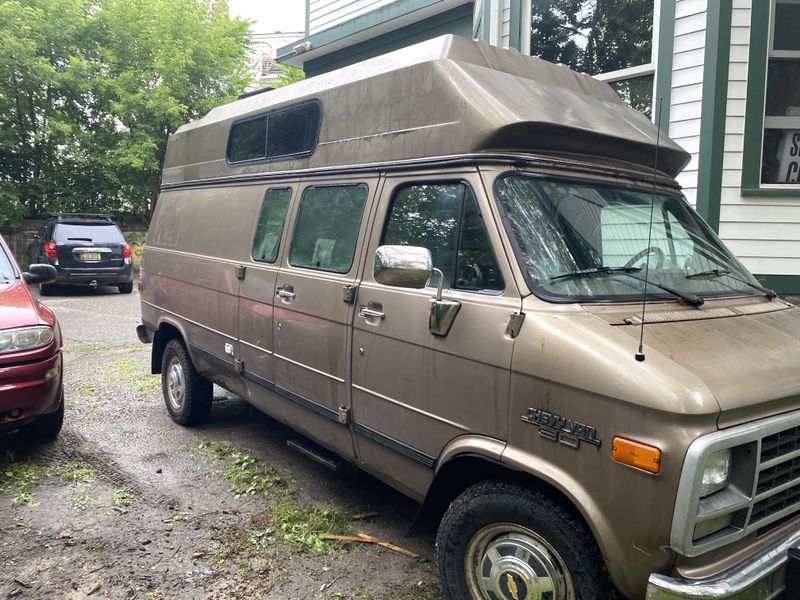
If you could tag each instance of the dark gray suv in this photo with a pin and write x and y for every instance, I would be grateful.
(85, 249)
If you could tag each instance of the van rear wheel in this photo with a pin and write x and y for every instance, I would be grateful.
(502, 541)
(187, 394)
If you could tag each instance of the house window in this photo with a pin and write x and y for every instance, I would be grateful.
(780, 158)
(612, 40)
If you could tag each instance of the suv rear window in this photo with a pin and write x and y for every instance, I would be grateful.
(103, 233)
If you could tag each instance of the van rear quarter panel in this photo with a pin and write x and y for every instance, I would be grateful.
(197, 239)
(573, 365)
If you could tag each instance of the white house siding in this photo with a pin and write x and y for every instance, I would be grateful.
(763, 232)
(687, 86)
(505, 24)
(324, 14)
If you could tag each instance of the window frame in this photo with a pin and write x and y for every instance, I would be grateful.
(267, 115)
(296, 221)
(290, 189)
(416, 183)
(654, 294)
(761, 40)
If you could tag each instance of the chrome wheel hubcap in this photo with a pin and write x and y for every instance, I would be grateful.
(505, 561)
(176, 385)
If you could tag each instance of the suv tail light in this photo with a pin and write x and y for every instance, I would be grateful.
(50, 250)
(126, 252)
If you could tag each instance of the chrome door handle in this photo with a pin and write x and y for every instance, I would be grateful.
(285, 293)
(370, 313)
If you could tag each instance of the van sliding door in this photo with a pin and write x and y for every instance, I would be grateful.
(316, 287)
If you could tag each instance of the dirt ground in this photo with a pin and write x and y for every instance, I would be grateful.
(126, 504)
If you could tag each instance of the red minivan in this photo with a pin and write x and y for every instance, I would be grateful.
(31, 384)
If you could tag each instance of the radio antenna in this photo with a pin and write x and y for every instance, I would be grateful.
(640, 354)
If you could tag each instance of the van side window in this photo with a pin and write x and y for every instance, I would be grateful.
(270, 224)
(328, 222)
(293, 131)
(444, 218)
(247, 140)
(287, 132)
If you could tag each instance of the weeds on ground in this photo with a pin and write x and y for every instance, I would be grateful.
(424, 589)
(121, 498)
(131, 371)
(244, 474)
(20, 478)
(299, 526)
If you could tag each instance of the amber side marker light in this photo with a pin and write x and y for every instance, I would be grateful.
(641, 456)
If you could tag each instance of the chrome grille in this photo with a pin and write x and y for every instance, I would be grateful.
(778, 484)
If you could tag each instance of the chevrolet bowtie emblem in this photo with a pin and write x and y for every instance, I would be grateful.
(512, 586)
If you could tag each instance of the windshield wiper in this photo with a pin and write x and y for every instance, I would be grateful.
(691, 299)
(714, 273)
(594, 272)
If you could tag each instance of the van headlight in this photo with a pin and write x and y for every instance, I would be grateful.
(717, 472)
(24, 338)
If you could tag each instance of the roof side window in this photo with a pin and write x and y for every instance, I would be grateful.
(284, 133)
(247, 141)
(445, 219)
(293, 131)
(270, 224)
(328, 222)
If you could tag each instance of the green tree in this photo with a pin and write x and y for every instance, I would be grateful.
(91, 89)
(597, 36)
(289, 76)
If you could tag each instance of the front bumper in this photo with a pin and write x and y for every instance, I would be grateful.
(29, 390)
(761, 577)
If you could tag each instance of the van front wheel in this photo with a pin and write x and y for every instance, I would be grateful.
(187, 394)
(502, 541)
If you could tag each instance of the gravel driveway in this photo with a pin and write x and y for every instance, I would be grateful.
(127, 504)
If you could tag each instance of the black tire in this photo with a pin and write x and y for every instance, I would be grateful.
(498, 515)
(47, 427)
(187, 394)
(45, 289)
(125, 288)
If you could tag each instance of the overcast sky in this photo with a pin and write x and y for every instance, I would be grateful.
(271, 15)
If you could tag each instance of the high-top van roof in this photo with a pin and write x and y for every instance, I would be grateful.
(443, 97)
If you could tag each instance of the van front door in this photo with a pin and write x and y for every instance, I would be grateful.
(314, 309)
(414, 391)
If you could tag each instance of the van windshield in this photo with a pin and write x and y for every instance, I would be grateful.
(584, 241)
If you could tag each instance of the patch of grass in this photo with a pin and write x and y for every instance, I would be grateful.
(299, 526)
(424, 589)
(244, 474)
(121, 498)
(131, 371)
(86, 388)
(83, 501)
(19, 479)
(77, 473)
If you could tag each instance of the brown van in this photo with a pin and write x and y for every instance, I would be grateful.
(456, 267)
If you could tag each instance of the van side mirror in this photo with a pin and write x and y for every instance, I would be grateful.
(403, 266)
(38, 273)
(412, 266)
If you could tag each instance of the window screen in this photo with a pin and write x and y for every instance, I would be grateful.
(328, 222)
(444, 218)
(270, 224)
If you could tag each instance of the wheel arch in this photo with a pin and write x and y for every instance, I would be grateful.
(167, 330)
(468, 461)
